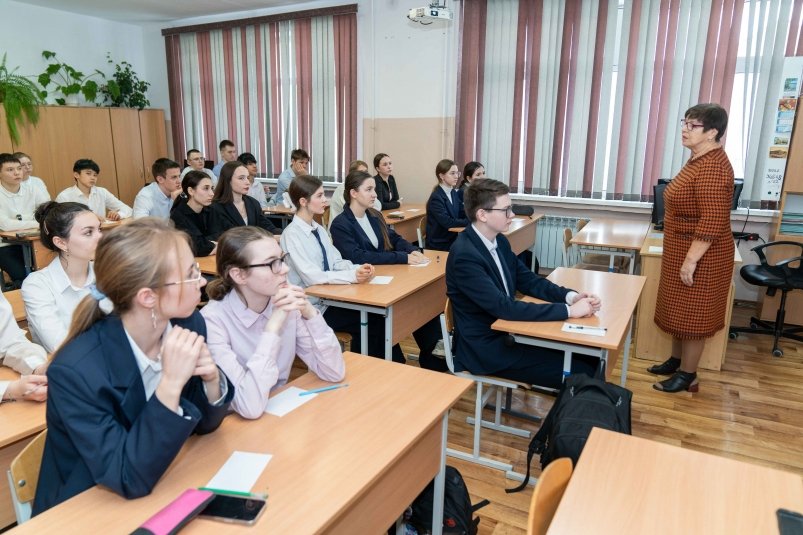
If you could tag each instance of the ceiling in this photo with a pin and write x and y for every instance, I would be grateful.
(134, 11)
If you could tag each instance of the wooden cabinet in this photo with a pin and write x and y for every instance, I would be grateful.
(5, 138)
(154, 139)
(129, 165)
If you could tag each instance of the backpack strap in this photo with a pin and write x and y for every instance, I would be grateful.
(538, 443)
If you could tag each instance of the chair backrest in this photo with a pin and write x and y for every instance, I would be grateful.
(325, 218)
(567, 246)
(422, 231)
(23, 474)
(14, 298)
(547, 494)
(581, 223)
(447, 328)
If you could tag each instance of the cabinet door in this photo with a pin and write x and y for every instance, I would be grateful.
(34, 141)
(127, 153)
(5, 138)
(154, 138)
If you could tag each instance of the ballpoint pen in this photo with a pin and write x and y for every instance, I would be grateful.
(322, 389)
(590, 328)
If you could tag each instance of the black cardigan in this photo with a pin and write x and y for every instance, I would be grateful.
(197, 225)
(385, 191)
(226, 216)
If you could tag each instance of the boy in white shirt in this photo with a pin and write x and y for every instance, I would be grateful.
(85, 191)
(30, 181)
(195, 162)
(27, 358)
(156, 199)
(17, 206)
(257, 189)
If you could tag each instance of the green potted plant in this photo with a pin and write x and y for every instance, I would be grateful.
(124, 88)
(68, 81)
(20, 98)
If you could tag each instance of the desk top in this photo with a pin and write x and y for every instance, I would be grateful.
(279, 210)
(327, 454)
(615, 233)
(629, 485)
(619, 293)
(208, 264)
(19, 420)
(516, 225)
(11, 235)
(14, 298)
(410, 210)
(656, 239)
(406, 280)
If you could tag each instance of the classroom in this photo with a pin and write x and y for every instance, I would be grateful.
(214, 214)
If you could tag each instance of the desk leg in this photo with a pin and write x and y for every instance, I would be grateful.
(389, 334)
(626, 353)
(567, 363)
(27, 257)
(364, 332)
(440, 480)
(632, 266)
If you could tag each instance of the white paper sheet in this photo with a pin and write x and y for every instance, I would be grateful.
(656, 249)
(287, 401)
(425, 264)
(583, 329)
(381, 279)
(240, 471)
(414, 209)
(656, 235)
(396, 213)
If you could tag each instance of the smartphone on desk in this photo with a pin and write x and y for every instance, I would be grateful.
(234, 509)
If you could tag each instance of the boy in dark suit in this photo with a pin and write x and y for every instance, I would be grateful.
(482, 278)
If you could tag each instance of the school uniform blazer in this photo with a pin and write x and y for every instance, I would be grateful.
(353, 243)
(478, 296)
(442, 214)
(226, 216)
(384, 190)
(100, 428)
(198, 226)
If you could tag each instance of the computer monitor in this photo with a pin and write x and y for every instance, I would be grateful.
(738, 185)
(658, 195)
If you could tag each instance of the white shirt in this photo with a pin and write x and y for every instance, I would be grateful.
(40, 189)
(208, 172)
(50, 300)
(369, 230)
(447, 190)
(16, 351)
(282, 183)
(151, 201)
(257, 191)
(100, 201)
(22, 204)
(337, 202)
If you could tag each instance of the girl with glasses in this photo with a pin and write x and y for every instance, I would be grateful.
(444, 208)
(258, 322)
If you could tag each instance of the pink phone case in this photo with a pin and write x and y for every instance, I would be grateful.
(177, 513)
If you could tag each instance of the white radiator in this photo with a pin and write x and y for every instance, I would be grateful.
(549, 239)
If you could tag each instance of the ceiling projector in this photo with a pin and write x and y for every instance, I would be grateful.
(426, 15)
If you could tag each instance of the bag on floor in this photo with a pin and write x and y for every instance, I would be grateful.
(584, 403)
(458, 513)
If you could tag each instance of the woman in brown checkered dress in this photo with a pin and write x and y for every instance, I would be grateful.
(697, 263)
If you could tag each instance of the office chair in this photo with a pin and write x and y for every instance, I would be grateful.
(780, 276)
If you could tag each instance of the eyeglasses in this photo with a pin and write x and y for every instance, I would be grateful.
(195, 275)
(275, 265)
(508, 210)
(686, 125)
(454, 173)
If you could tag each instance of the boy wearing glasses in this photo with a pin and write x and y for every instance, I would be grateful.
(195, 162)
(482, 278)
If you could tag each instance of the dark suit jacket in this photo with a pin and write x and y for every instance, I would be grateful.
(100, 428)
(442, 214)
(226, 216)
(198, 226)
(353, 244)
(478, 299)
(384, 190)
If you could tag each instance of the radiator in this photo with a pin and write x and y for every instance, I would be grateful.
(549, 240)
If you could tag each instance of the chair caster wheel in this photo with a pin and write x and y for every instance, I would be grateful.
(777, 353)
(732, 335)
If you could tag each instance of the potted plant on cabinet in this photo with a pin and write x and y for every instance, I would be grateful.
(124, 88)
(19, 97)
(68, 81)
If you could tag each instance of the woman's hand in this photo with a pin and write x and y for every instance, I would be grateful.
(416, 257)
(113, 215)
(180, 351)
(287, 299)
(28, 388)
(687, 271)
(208, 371)
(364, 273)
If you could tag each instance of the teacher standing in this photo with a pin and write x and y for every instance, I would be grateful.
(697, 264)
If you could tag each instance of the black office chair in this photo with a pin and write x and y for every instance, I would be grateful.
(781, 276)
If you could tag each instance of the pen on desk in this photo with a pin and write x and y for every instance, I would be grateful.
(322, 389)
(259, 495)
(590, 328)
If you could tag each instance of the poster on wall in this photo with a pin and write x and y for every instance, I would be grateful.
(791, 88)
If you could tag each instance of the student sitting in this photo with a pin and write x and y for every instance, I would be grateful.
(338, 199)
(386, 190)
(41, 194)
(232, 207)
(258, 322)
(27, 358)
(17, 205)
(99, 200)
(299, 165)
(444, 208)
(482, 278)
(128, 388)
(228, 153)
(257, 189)
(191, 212)
(360, 234)
(51, 294)
(156, 199)
(197, 162)
(471, 172)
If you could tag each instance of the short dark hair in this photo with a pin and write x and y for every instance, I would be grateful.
(225, 143)
(482, 194)
(161, 165)
(85, 163)
(247, 158)
(303, 187)
(713, 116)
(299, 154)
(56, 219)
(223, 192)
(189, 152)
(5, 158)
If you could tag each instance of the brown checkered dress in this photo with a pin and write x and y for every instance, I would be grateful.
(698, 203)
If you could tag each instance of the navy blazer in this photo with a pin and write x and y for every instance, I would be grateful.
(353, 243)
(478, 299)
(197, 226)
(443, 214)
(384, 190)
(226, 216)
(100, 428)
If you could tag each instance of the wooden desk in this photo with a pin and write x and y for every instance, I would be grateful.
(627, 485)
(619, 293)
(407, 228)
(612, 237)
(349, 461)
(19, 423)
(651, 342)
(14, 298)
(280, 211)
(521, 235)
(208, 264)
(413, 297)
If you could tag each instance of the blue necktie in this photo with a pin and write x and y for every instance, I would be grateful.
(323, 249)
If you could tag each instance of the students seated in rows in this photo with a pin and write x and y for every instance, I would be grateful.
(386, 190)
(192, 213)
(257, 189)
(17, 206)
(197, 162)
(156, 199)
(86, 192)
(313, 259)
(52, 294)
(232, 207)
(42, 195)
(258, 322)
(228, 153)
(128, 388)
(444, 208)
(482, 278)
(338, 200)
(471, 172)
(361, 235)
(299, 165)
(27, 358)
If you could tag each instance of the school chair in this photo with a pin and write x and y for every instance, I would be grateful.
(422, 231)
(590, 262)
(14, 298)
(23, 476)
(547, 494)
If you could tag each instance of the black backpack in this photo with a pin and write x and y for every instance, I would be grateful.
(583, 403)
(458, 513)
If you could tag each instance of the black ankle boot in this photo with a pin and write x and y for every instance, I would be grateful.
(679, 381)
(667, 367)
